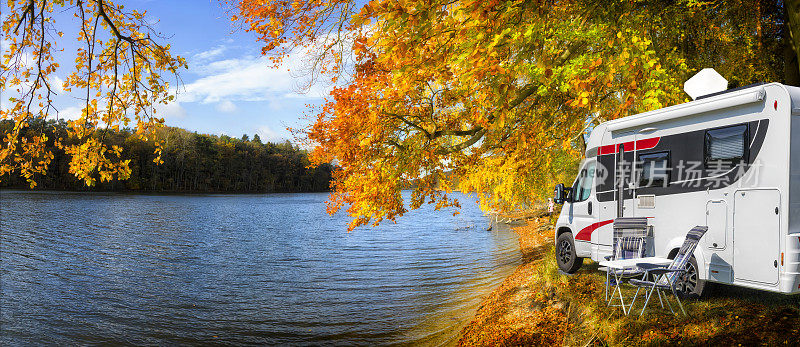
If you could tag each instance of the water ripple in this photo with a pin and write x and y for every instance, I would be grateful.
(239, 269)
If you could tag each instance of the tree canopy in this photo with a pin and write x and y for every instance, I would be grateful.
(120, 74)
(497, 96)
(489, 97)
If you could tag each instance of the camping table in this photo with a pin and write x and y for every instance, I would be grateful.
(624, 265)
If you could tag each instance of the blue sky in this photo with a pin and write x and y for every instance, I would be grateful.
(229, 88)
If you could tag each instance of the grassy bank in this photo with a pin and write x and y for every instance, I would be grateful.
(537, 305)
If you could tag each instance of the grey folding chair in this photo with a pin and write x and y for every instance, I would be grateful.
(658, 278)
(629, 238)
(629, 243)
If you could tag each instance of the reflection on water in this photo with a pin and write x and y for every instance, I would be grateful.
(264, 269)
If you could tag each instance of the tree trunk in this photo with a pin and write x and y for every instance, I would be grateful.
(759, 37)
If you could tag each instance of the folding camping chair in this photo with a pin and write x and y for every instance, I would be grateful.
(629, 242)
(665, 278)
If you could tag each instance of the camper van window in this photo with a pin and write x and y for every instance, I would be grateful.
(654, 169)
(583, 186)
(726, 145)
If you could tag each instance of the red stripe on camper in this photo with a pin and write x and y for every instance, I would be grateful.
(628, 146)
(609, 149)
(640, 145)
(586, 233)
(647, 143)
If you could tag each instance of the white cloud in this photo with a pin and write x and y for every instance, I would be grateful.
(24, 60)
(226, 106)
(210, 54)
(4, 44)
(268, 135)
(70, 113)
(18, 64)
(171, 110)
(250, 78)
(57, 84)
(221, 66)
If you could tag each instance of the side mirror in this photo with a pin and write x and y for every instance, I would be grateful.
(559, 197)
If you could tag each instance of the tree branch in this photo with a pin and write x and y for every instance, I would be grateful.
(409, 123)
(463, 145)
(101, 11)
(30, 8)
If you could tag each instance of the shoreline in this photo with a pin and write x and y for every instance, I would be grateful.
(518, 311)
(150, 192)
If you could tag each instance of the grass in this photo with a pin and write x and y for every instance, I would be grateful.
(538, 305)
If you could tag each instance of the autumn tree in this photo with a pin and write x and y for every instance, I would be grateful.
(120, 75)
(190, 164)
(495, 95)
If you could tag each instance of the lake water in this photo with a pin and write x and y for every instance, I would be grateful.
(237, 269)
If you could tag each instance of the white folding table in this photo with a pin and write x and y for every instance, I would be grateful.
(619, 267)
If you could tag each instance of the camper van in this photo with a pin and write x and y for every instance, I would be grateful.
(728, 160)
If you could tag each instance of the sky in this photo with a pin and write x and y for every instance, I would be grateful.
(229, 87)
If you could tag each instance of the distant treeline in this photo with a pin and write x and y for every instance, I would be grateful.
(192, 163)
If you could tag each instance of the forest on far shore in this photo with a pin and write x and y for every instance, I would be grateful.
(192, 162)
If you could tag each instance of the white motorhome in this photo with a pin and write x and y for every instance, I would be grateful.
(729, 160)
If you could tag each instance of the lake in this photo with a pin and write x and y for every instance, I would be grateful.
(106, 268)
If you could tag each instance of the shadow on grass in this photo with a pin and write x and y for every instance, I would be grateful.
(728, 315)
(722, 291)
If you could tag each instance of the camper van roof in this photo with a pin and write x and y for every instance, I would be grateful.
(728, 99)
(731, 90)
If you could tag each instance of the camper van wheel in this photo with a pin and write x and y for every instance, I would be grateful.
(568, 261)
(689, 285)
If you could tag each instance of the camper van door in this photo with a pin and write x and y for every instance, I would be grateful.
(756, 235)
(583, 207)
(622, 177)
